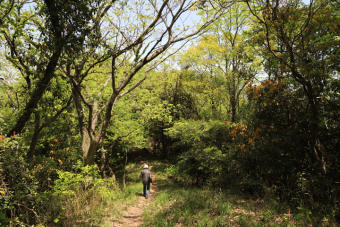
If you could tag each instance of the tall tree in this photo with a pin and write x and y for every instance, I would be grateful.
(36, 34)
(208, 84)
(136, 34)
(227, 53)
(240, 63)
(303, 39)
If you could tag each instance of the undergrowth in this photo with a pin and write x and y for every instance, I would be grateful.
(86, 199)
(182, 205)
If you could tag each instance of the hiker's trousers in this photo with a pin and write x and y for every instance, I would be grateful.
(146, 189)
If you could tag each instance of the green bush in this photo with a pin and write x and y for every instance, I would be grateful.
(21, 201)
(81, 188)
(203, 148)
(84, 178)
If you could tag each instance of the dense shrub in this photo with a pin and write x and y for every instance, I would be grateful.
(79, 191)
(271, 150)
(22, 201)
(279, 133)
(40, 192)
(203, 150)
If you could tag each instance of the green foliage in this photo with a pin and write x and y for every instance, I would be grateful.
(83, 197)
(84, 178)
(82, 187)
(203, 150)
(225, 62)
(22, 201)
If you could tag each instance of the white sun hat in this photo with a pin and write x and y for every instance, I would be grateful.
(145, 166)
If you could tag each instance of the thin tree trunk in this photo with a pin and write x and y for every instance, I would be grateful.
(233, 99)
(233, 108)
(103, 161)
(318, 148)
(124, 173)
(35, 135)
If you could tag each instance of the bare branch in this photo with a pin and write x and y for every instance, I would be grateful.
(104, 86)
(91, 66)
(134, 86)
(76, 87)
(145, 32)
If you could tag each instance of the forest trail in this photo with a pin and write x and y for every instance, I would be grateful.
(133, 216)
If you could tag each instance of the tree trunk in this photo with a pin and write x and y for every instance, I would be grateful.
(233, 108)
(124, 173)
(89, 147)
(35, 135)
(103, 162)
(233, 100)
(36, 95)
(318, 148)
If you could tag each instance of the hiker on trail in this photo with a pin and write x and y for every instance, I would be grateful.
(146, 179)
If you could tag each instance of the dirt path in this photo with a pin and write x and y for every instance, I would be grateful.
(133, 216)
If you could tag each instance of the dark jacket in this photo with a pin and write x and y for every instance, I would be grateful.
(146, 176)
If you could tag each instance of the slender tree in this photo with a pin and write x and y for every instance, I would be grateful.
(226, 54)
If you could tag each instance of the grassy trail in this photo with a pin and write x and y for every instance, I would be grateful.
(133, 216)
(176, 204)
(130, 212)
